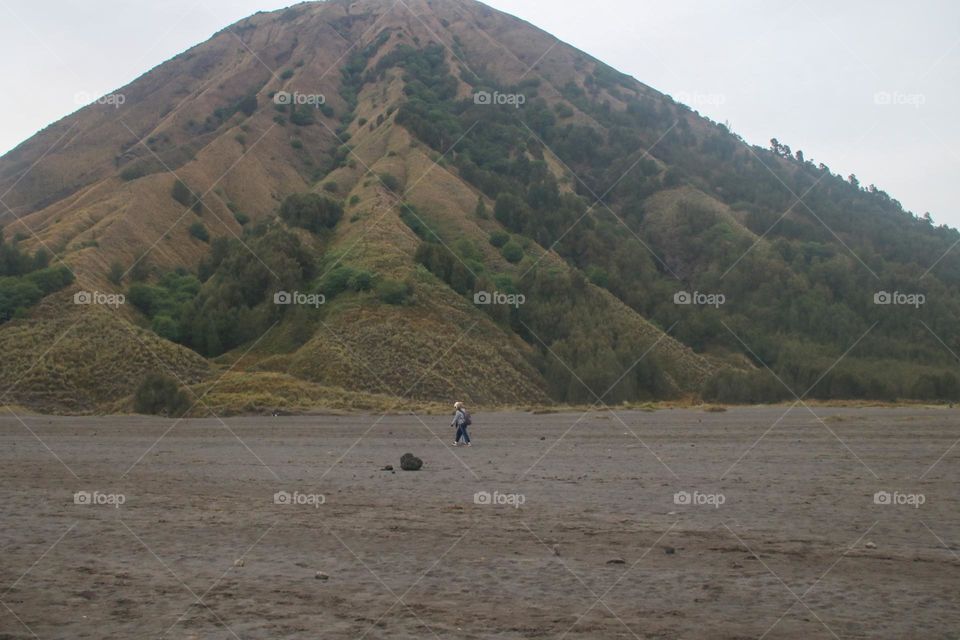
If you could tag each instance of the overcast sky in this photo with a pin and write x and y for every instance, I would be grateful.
(865, 87)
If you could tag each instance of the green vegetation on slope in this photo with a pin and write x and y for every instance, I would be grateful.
(26, 279)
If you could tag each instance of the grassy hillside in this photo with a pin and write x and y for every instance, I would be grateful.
(338, 149)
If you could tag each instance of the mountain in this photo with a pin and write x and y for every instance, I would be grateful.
(456, 206)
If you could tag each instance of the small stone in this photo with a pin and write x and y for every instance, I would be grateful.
(669, 551)
(389, 467)
(320, 575)
(556, 550)
(238, 562)
(616, 561)
(871, 545)
(543, 437)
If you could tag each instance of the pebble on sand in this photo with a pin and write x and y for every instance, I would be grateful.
(320, 575)
(616, 561)
(871, 545)
(238, 562)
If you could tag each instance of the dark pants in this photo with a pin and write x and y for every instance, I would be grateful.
(462, 434)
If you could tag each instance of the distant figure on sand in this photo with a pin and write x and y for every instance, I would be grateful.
(461, 420)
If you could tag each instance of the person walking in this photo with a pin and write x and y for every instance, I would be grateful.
(461, 420)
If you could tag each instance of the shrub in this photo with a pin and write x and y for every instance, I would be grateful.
(499, 238)
(362, 281)
(512, 252)
(116, 273)
(311, 211)
(134, 171)
(330, 187)
(337, 280)
(160, 395)
(394, 292)
(301, 116)
(241, 218)
(199, 231)
(182, 194)
(391, 182)
(354, 199)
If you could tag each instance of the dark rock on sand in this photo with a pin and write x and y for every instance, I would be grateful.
(410, 462)
(389, 467)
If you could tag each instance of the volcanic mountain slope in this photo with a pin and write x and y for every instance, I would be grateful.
(453, 151)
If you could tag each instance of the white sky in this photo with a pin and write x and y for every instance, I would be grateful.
(804, 71)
